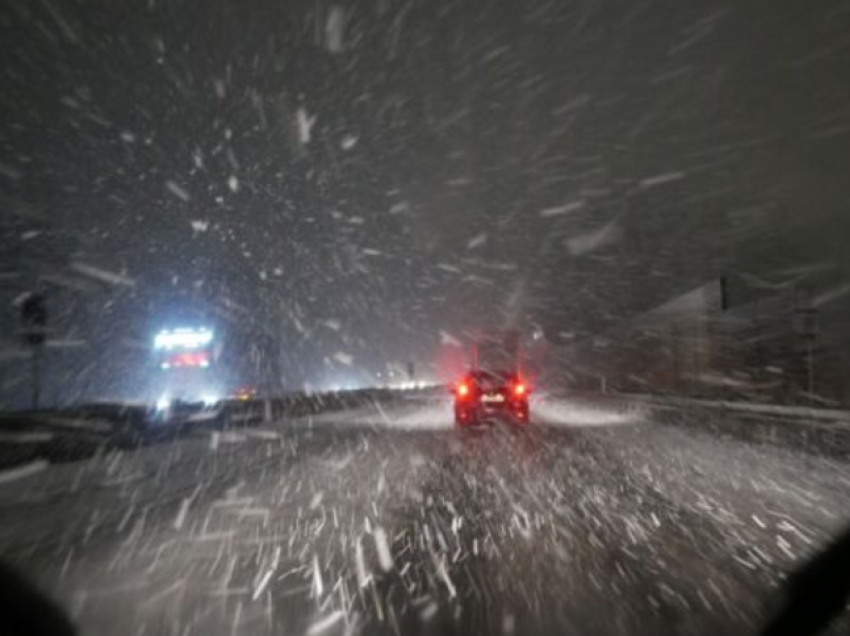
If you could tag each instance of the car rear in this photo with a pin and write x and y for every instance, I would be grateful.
(487, 397)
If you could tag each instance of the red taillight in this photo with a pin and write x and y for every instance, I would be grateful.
(462, 389)
(520, 389)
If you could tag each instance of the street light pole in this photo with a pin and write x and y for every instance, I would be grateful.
(36, 376)
(806, 325)
(34, 333)
(811, 360)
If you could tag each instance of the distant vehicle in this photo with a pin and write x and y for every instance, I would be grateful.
(495, 387)
(245, 393)
(482, 396)
(187, 363)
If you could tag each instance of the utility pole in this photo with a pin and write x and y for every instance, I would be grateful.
(34, 333)
(811, 374)
(806, 325)
(36, 376)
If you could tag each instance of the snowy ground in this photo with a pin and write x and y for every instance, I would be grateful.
(595, 520)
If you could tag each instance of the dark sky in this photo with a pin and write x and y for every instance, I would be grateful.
(356, 177)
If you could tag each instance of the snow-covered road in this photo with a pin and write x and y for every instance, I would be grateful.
(595, 520)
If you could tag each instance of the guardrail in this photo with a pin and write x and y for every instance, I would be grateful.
(79, 431)
(813, 430)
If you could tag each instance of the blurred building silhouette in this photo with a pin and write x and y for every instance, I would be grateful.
(784, 345)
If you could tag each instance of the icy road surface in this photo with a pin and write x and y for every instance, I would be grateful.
(385, 520)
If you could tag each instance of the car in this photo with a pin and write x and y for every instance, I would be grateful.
(485, 396)
(243, 394)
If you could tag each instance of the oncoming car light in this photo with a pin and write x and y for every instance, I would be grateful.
(210, 399)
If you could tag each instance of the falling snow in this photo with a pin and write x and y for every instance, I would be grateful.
(305, 126)
(335, 30)
(177, 191)
(344, 358)
(347, 195)
(562, 209)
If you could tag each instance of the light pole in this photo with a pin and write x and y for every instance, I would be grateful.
(34, 333)
(807, 327)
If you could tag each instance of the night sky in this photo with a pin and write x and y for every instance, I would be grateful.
(357, 178)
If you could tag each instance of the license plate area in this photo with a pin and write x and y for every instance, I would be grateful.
(492, 398)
